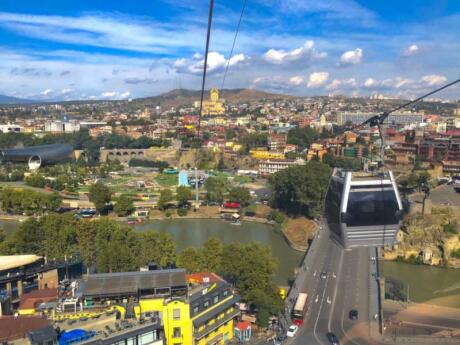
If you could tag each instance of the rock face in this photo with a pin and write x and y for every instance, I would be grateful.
(429, 238)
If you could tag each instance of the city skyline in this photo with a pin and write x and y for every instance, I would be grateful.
(96, 50)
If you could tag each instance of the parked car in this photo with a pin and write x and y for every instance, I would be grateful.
(292, 330)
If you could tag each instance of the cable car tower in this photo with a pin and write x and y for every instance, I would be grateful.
(364, 209)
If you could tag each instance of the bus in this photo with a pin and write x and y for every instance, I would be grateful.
(300, 309)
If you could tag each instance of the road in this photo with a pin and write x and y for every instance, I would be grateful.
(346, 287)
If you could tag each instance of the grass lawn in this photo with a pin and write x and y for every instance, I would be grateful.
(243, 179)
(167, 180)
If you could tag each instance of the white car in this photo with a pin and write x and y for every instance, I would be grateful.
(292, 331)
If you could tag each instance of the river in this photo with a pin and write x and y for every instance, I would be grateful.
(426, 284)
(194, 232)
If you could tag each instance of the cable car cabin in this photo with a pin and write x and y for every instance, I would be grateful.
(363, 209)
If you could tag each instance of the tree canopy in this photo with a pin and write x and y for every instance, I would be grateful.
(215, 188)
(302, 136)
(100, 195)
(183, 195)
(240, 195)
(300, 190)
(124, 205)
(166, 196)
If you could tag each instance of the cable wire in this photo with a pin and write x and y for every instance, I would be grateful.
(233, 44)
(208, 38)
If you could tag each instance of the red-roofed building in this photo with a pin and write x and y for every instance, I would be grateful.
(203, 277)
(243, 331)
(13, 328)
(31, 300)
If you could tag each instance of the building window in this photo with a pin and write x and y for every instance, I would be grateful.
(176, 314)
(225, 293)
(195, 309)
(206, 303)
(176, 332)
(216, 299)
(146, 338)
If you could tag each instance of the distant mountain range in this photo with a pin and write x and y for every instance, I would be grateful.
(173, 98)
(181, 97)
(14, 100)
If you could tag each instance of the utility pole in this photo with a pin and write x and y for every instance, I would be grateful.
(196, 188)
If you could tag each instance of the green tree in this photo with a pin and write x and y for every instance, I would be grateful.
(100, 195)
(303, 137)
(240, 195)
(215, 188)
(158, 247)
(86, 234)
(124, 205)
(166, 196)
(190, 259)
(183, 195)
(300, 189)
(211, 255)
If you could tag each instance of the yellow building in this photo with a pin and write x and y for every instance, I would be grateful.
(213, 106)
(264, 154)
(204, 317)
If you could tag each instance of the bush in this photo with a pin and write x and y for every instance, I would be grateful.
(249, 213)
(181, 212)
(276, 216)
(450, 228)
(455, 253)
(168, 214)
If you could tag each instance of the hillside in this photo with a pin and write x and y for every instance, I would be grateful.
(180, 97)
(13, 100)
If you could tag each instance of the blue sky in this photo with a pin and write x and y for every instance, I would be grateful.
(60, 50)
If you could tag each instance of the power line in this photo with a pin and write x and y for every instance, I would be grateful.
(208, 37)
(379, 119)
(233, 44)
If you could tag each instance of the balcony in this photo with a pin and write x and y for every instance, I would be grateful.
(217, 324)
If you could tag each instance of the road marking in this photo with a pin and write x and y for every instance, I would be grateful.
(339, 272)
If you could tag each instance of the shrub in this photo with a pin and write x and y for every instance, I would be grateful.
(168, 214)
(450, 228)
(455, 253)
(276, 216)
(181, 212)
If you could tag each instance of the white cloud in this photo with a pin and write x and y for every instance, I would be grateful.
(336, 84)
(114, 95)
(66, 91)
(216, 62)
(307, 52)
(352, 57)
(317, 79)
(370, 82)
(411, 50)
(296, 80)
(433, 80)
(47, 92)
(396, 83)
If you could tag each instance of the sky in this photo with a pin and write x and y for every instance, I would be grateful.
(98, 49)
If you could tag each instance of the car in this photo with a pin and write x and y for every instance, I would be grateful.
(292, 331)
(323, 275)
(353, 314)
(333, 340)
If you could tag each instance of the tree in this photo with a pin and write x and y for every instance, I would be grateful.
(300, 189)
(240, 195)
(303, 137)
(166, 196)
(215, 188)
(158, 247)
(183, 195)
(86, 234)
(342, 162)
(100, 195)
(211, 255)
(190, 259)
(124, 205)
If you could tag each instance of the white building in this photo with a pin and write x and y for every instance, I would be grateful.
(271, 166)
(10, 128)
(62, 126)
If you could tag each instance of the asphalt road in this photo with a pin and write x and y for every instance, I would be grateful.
(346, 287)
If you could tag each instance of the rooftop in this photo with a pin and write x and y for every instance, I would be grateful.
(12, 261)
(12, 328)
(125, 283)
